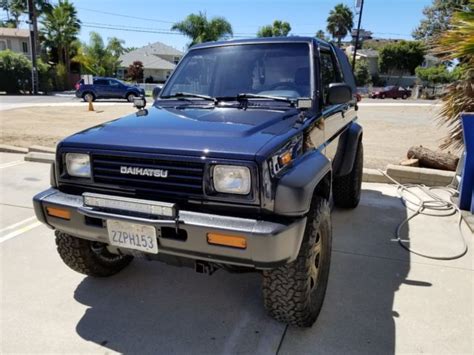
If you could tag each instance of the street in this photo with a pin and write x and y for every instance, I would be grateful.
(380, 299)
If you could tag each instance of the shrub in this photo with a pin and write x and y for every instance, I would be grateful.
(61, 82)
(361, 73)
(436, 75)
(135, 71)
(15, 71)
(45, 77)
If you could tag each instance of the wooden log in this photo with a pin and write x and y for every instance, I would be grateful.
(432, 159)
(410, 162)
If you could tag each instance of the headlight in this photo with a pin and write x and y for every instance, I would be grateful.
(78, 165)
(232, 179)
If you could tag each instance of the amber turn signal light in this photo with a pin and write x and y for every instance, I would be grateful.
(227, 240)
(58, 212)
(285, 158)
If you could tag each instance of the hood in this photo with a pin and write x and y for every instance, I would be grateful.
(213, 132)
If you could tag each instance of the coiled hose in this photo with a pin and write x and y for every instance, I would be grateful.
(436, 205)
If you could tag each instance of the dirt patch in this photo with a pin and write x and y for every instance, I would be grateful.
(48, 125)
(388, 131)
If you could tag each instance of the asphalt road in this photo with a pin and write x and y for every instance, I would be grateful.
(380, 299)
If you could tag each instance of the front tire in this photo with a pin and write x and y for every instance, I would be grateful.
(89, 258)
(294, 293)
(346, 189)
(88, 97)
(130, 97)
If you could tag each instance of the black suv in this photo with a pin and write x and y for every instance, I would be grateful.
(234, 167)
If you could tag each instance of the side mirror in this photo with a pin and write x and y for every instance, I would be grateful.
(339, 93)
(156, 92)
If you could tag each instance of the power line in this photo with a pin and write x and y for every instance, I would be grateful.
(125, 16)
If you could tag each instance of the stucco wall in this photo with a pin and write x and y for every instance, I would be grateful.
(15, 44)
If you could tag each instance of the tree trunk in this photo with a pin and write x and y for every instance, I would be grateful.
(430, 159)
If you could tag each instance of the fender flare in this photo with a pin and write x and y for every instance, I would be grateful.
(347, 149)
(295, 188)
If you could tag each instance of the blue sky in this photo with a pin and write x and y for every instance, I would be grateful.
(386, 18)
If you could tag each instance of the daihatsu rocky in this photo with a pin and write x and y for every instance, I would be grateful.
(235, 166)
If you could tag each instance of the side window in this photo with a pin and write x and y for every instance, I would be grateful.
(101, 82)
(114, 83)
(329, 72)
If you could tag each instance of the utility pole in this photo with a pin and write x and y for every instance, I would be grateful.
(33, 35)
(361, 4)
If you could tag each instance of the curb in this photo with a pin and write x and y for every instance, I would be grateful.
(425, 176)
(410, 175)
(5, 148)
(38, 157)
(373, 175)
(41, 149)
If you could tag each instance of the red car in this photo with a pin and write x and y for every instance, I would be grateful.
(394, 92)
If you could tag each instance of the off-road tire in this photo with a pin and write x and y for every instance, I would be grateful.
(346, 189)
(80, 256)
(85, 95)
(287, 291)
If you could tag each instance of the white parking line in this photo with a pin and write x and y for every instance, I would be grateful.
(12, 163)
(19, 231)
(13, 226)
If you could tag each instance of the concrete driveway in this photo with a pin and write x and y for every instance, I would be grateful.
(380, 299)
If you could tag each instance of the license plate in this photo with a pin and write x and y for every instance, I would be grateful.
(132, 236)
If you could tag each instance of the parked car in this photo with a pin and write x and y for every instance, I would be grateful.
(393, 91)
(235, 166)
(107, 88)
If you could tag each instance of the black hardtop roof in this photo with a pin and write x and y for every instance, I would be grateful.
(294, 39)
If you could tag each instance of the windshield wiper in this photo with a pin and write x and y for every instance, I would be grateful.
(267, 97)
(184, 95)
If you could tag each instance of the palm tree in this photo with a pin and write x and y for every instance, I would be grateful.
(278, 29)
(340, 22)
(200, 29)
(457, 43)
(60, 28)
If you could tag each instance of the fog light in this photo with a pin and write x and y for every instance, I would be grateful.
(58, 212)
(227, 240)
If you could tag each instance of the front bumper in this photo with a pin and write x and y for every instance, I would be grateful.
(269, 244)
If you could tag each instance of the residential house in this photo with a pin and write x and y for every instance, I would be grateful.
(158, 60)
(15, 39)
(371, 57)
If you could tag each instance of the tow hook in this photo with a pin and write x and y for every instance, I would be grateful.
(203, 267)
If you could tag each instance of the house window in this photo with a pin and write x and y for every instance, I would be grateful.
(3, 45)
(176, 60)
(24, 46)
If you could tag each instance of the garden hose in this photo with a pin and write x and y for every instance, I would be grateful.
(435, 206)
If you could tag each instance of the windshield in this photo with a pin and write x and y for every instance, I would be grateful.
(280, 70)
